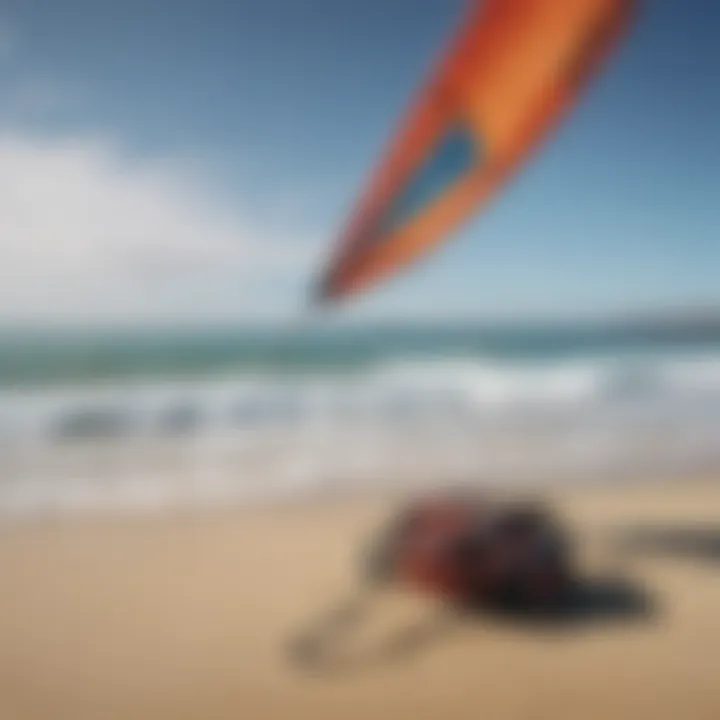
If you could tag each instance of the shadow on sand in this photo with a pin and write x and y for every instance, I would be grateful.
(697, 543)
(593, 601)
(599, 601)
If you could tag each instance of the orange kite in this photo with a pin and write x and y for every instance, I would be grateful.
(509, 76)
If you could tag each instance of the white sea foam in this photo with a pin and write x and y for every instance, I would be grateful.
(192, 443)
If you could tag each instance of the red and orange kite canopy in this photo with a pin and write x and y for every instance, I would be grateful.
(512, 72)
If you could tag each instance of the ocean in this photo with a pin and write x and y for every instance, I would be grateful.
(145, 420)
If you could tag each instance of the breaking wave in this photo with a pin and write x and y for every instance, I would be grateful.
(139, 445)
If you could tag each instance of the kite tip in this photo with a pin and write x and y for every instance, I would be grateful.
(321, 295)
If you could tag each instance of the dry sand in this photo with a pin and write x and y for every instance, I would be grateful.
(189, 618)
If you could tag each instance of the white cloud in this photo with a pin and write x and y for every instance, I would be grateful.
(86, 234)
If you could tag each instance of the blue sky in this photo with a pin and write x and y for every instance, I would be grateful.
(193, 160)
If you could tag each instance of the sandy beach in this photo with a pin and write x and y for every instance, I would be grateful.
(190, 618)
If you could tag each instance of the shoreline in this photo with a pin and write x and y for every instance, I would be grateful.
(342, 495)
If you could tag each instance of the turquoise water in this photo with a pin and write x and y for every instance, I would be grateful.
(75, 357)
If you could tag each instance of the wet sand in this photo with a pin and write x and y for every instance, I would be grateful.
(190, 618)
